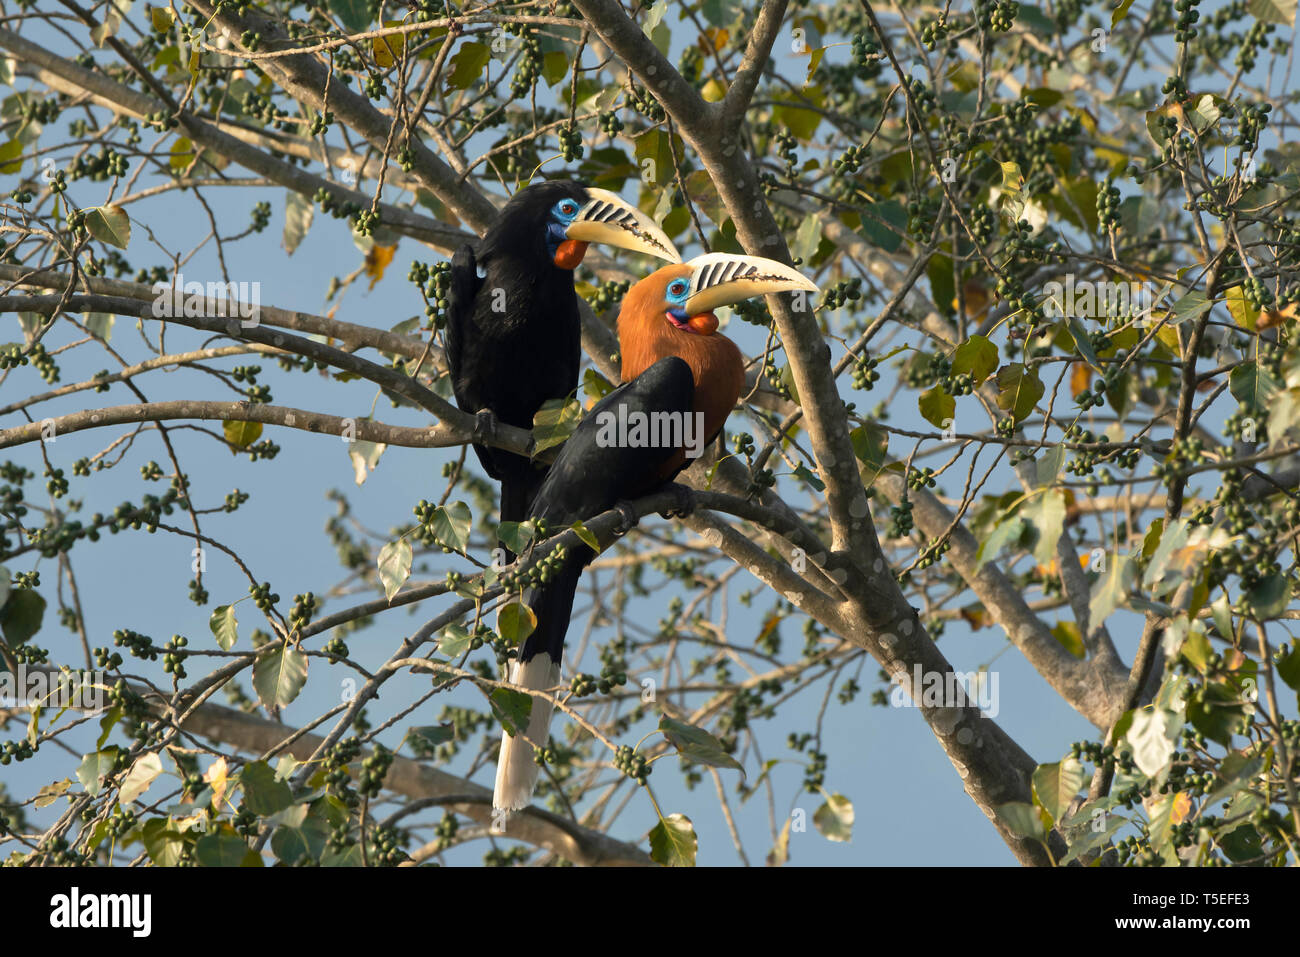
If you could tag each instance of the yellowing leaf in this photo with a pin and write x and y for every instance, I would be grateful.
(215, 777)
(377, 260)
(1275, 317)
(161, 18)
(109, 224)
(388, 50)
(241, 434)
(976, 295)
(714, 39)
(1182, 807)
(1080, 379)
(11, 157)
(1243, 313)
(182, 154)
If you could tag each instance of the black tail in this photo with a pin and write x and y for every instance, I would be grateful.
(518, 490)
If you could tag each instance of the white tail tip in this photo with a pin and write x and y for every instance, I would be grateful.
(516, 770)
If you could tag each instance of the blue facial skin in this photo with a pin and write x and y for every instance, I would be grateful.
(678, 290)
(562, 215)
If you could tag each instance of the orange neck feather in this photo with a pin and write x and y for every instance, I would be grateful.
(646, 335)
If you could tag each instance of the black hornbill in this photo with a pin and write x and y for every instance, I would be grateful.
(675, 363)
(513, 334)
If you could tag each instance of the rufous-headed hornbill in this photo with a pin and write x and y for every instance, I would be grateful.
(513, 334)
(674, 361)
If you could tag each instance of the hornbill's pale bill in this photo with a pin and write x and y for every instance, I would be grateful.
(674, 361)
(513, 334)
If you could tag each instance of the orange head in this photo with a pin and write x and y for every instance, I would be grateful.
(670, 313)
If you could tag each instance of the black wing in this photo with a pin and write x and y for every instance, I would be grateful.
(590, 475)
(460, 332)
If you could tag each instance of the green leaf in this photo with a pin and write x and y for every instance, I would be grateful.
(877, 220)
(298, 214)
(555, 66)
(279, 675)
(516, 536)
(467, 64)
(654, 158)
(1252, 385)
(21, 616)
(353, 14)
(1111, 588)
(1057, 785)
(870, 447)
(1046, 513)
(264, 793)
(1288, 667)
(1221, 715)
(106, 724)
(51, 793)
(1191, 306)
(515, 622)
(455, 641)
(1273, 11)
(1093, 839)
(394, 566)
(224, 627)
(1120, 12)
(937, 407)
(596, 386)
(114, 12)
(241, 434)
(976, 356)
(1021, 819)
(364, 456)
(673, 842)
(1269, 597)
(109, 224)
(807, 239)
(222, 849)
(432, 735)
(11, 162)
(95, 767)
(1083, 343)
(697, 745)
(1149, 740)
(164, 843)
(291, 844)
(653, 16)
(142, 774)
(1048, 466)
(512, 709)
(99, 325)
(835, 818)
(807, 474)
(1019, 389)
(452, 524)
(587, 536)
(554, 422)
(1005, 534)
